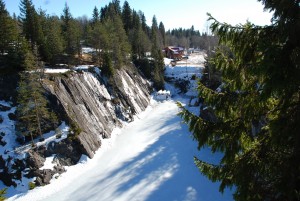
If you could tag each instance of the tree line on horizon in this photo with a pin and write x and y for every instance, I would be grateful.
(122, 30)
(114, 31)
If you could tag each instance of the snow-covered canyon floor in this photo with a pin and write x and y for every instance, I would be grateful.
(149, 159)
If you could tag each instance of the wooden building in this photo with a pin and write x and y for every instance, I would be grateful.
(175, 53)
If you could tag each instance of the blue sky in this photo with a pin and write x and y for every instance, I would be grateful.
(173, 13)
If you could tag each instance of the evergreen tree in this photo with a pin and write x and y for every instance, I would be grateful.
(154, 46)
(67, 31)
(156, 54)
(136, 22)
(96, 16)
(211, 76)
(103, 13)
(162, 32)
(111, 10)
(118, 41)
(26, 17)
(85, 29)
(99, 40)
(71, 34)
(66, 18)
(158, 67)
(254, 120)
(77, 36)
(156, 34)
(32, 112)
(140, 42)
(122, 43)
(15, 55)
(137, 37)
(190, 38)
(127, 17)
(31, 23)
(54, 38)
(8, 31)
(44, 49)
(143, 22)
(107, 68)
(144, 65)
(116, 7)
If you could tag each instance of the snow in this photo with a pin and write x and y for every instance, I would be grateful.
(167, 61)
(131, 94)
(162, 95)
(83, 67)
(99, 89)
(52, 70)
(48, 164)
(49, 137)
(88, 50)
(14, 151)
(185, 70)
(149, 159)
(98, 71)
(7, 128)
(182, 71)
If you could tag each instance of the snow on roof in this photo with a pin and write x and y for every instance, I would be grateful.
(173, 48)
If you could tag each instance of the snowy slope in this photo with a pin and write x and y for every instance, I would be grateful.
(150, 159)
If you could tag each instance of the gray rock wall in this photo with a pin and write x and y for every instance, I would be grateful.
(97, 107)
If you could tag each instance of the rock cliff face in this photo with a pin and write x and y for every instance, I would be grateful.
(96, 106)
(91, 105)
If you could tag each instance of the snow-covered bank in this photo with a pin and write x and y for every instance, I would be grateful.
(150, 159)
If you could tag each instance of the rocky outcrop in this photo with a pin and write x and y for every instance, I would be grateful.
(34, 160)
(93, 104)
(43, 177)
(66, 152)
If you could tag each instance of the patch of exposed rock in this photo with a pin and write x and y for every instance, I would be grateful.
(96, 106)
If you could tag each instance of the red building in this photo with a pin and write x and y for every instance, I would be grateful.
(175, 53)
